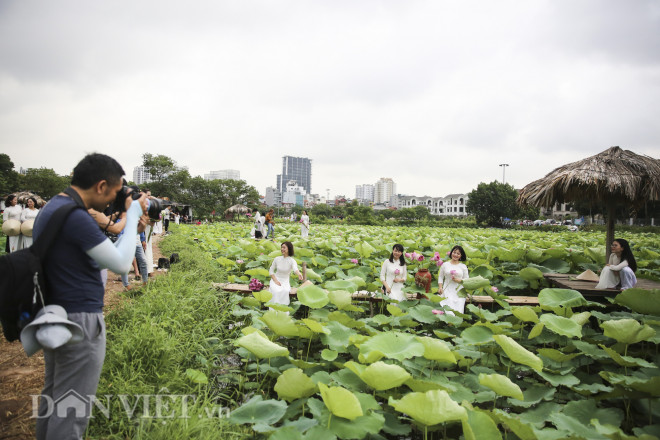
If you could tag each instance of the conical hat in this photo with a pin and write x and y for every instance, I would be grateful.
(587, 275)
(11, 228)
(26, 227)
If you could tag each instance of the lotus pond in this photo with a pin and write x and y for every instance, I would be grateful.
(568, 368)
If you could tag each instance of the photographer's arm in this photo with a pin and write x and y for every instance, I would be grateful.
(118, 256)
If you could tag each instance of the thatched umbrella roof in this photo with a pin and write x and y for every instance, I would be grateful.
(23, 197)
(238, 209)
(614, 176)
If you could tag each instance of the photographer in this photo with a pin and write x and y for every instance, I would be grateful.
(72, 270)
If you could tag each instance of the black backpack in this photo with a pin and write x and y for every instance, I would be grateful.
(22, 281)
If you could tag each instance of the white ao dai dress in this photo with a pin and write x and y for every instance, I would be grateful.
(617, 274)
(28, 214)
(282, 268)
(304, 226)
(450, 288)
(388, 272)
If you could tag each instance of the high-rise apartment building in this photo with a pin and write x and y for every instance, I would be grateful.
(141, 175)
(298, 169)
(364, 192)
(223, 174)
(384, 189)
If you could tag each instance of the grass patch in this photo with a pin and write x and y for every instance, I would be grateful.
(170, 340)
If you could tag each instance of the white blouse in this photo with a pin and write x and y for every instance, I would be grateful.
(282, 268)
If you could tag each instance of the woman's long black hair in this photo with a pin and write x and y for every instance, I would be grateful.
(627, 254)
(398, 247)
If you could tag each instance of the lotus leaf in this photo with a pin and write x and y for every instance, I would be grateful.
(555, 380)
(422, 386)
(480, 426)
(250, 301)
(341, 402)
(423, 313)
(523, 430)
(525, 314)
(337, 339)
(294, 384)
(311, 275)
(315, 326)
(477, 335)
(534, 395)
(257, 410)
(586, 410)
(394, 310)
(263, 296)
(280, 323)
(381, 376)
(258, 271)
(502, 385)
(394, 345)
(557, 355)
(340, 298)
(627, 361)
(313, 296)
(482, 271)
(640, 300)
(482, 313)
(561, 326)
(557, 265)
(627, 331)
(517, 353)
(475, 283)
(260, 346)
(552, 298)
(341, 285)
(437, 350)
(328, 355)
(581, 318)
(576, 427)
(531, 274)
(516, 283)
(430, 408)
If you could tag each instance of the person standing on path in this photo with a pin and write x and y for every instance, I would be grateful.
(270, 223)
(72, 272)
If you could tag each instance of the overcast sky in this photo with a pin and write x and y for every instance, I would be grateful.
(435, 94)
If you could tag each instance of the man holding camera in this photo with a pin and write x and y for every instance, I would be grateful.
(72, 270)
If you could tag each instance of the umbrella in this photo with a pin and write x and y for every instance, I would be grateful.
(615, 176)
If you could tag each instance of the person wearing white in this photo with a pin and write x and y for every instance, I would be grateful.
(258, 225)
(619, 272)
(450, 277)
(304, 225)
(280, 271)
(29, 213)
(13, 211)
(176, 218)
(393, 274)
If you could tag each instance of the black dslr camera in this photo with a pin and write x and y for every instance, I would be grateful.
(155, 206)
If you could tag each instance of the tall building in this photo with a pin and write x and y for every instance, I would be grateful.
(364, 192)
(273, 197)
(141, 175)
(223, 174)
(298, 169)
(384, 189)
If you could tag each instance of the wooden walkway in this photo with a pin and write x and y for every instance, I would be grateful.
(588, 288)
(372, 298)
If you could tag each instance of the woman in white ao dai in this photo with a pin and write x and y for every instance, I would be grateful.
(451, 274)
(394, 273)
(280, 271)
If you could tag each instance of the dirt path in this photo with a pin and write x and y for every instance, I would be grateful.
(22, 376)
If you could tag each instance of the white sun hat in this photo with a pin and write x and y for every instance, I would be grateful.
(26, 227)
(50, 329)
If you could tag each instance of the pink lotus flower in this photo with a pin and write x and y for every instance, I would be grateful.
(453, 272)
(436, 257)
(408, 255)
(420, 257)
(495, 289)
(354, 260)
(439, 263)
(438, 312)
(414, 256)
(449, 253)
(397, 272)
(239, 261)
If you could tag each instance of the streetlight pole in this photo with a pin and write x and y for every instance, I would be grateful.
(504, 165)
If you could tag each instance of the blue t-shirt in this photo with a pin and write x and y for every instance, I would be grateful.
(73, 278)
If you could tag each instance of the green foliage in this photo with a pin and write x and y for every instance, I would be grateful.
(492, 202)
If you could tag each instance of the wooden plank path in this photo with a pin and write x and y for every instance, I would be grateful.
(363, 295)
(588, 288)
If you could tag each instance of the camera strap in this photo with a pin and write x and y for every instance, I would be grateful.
(76, 197)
